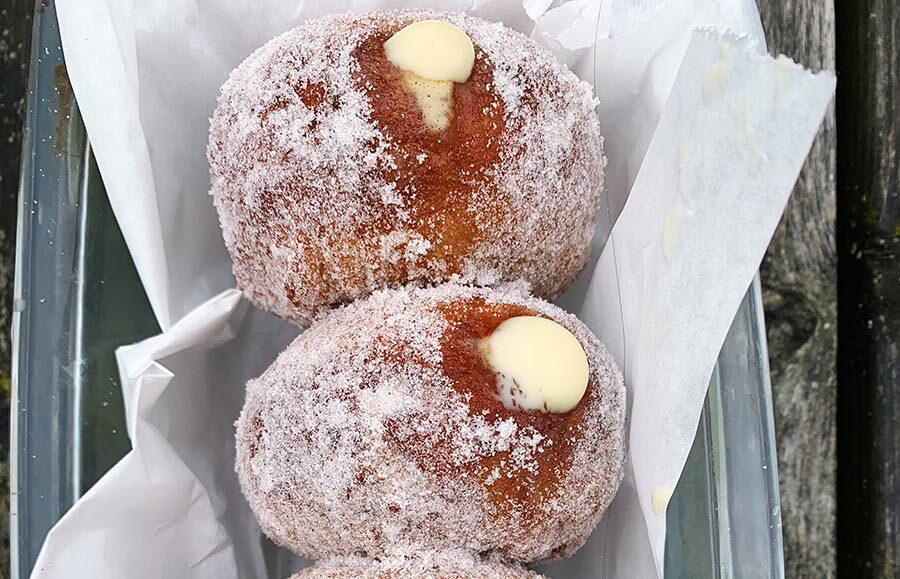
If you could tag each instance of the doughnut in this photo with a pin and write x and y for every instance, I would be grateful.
(335, 172)
(384, 430)
(433, 566)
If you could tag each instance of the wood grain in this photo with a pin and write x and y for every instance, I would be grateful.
(800, 297)
(868, 41)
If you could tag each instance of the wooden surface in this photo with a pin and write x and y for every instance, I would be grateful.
(800, 297)
(868, 105)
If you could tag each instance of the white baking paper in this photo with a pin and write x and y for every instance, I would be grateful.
(699, 217)
(711, 162)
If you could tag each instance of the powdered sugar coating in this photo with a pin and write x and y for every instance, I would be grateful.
(320, 202)
(357, 441)
(445, 565)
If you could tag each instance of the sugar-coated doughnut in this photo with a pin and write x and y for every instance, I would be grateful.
(380, 431)
(329, 182)
(425, 566)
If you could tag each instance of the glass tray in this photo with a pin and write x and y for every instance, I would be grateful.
(77, 297)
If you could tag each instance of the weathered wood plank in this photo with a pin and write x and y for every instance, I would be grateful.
(799, 278)
(868, 102)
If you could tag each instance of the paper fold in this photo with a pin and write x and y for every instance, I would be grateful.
(150, 514)
(715, 179)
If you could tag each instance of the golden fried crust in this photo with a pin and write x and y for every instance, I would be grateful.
(379, 430)
(329, 185)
